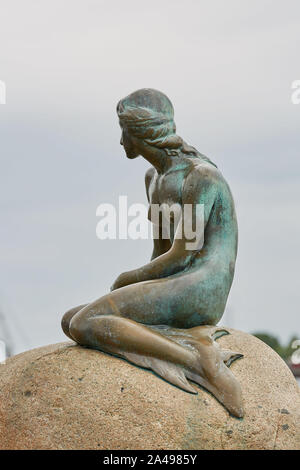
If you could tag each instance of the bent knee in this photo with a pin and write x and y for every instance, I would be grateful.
(77, 329)
(67, 317)
(93, 330)
(65, 321)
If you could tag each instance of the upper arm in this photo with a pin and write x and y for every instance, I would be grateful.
(160, 245)
(202, 187)
(200, 190)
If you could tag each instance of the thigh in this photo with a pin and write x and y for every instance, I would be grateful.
(175, 301)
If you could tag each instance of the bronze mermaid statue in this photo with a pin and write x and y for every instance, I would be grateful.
(163, 315)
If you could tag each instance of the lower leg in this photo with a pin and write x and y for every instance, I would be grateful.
(119, 335)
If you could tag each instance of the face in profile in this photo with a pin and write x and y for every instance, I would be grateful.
(128, 144)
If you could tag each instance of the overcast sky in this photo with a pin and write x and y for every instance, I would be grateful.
(228, 68)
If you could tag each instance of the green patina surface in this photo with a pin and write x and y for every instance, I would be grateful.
(183, 288)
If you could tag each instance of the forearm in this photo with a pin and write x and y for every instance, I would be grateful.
(160, 246)
(164, 265)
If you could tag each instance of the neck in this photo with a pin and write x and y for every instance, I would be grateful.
(159, 158)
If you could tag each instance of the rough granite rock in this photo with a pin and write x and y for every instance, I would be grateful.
(66, 397)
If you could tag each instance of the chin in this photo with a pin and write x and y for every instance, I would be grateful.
(131, 156)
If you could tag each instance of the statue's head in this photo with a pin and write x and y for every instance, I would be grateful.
(147, 117)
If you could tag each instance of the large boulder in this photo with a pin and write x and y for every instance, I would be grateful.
(66, 397)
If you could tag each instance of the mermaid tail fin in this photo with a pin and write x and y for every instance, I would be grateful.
(212, 372)
(168, 371)
(225, 388)
(230, 356)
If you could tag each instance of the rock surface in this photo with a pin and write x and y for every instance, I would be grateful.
(66, 397)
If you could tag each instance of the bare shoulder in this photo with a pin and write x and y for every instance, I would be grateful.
(204, 182)
(149, 174)
(148, 178)
(204, 173)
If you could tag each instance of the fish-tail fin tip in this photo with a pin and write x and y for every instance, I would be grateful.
(230, 356)
(218, 333)
(237, 413)
(167, 371)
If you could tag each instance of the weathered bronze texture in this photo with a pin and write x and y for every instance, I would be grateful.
(162, 316)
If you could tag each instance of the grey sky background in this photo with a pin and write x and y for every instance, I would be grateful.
(228, 69)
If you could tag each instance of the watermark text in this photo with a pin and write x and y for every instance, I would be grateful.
(168, 222)
(2, 92)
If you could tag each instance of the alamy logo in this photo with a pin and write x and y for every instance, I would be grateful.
(295, 98)
(2, 352)
(168, 221)
(296, 354)
(2, 92)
